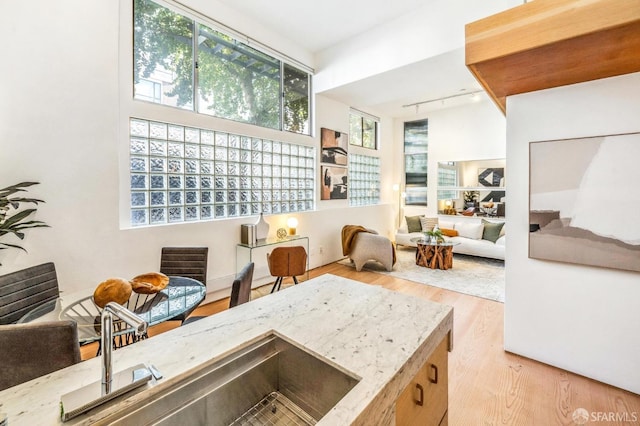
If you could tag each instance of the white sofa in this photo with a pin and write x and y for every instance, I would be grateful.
(470, 239)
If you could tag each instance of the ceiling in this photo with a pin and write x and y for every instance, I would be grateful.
(317, 26)
(338, 20)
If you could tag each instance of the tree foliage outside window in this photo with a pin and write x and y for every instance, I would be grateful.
(217, 75)
(230, 86)
(296, 100)
(364, 131)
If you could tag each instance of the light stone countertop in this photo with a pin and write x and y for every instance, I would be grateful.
(381, 336)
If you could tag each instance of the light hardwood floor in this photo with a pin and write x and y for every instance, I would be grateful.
(488, 386)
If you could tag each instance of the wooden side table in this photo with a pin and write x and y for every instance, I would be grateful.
(434, 255)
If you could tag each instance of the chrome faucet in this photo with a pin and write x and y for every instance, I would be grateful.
(111, 386)
(139, 328)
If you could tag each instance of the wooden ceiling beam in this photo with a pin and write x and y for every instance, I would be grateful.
(551, 43)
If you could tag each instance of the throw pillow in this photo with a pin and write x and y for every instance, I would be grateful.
(428, 223)
(491, 230)
(449, 232)
(446, 224)
(413, 223)
(470, 230)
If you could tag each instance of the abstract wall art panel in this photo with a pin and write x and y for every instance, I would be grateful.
(584, 203)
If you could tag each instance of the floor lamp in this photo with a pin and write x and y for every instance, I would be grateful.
(396, 188)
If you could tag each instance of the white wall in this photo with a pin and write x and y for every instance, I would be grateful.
(62, 124)
(583, 319)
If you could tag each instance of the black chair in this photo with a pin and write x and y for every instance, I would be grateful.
(240, 290)
(190, 262)
(26, 289)
(34, 349)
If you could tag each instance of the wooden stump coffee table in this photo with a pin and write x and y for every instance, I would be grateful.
(434, 255)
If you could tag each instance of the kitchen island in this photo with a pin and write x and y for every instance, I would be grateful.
(382, 337)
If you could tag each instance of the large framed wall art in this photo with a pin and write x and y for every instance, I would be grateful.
(333, 170)
(584, 202)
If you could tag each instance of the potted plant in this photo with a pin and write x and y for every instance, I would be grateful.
(470, 198)
(12, 220)
(435, 235)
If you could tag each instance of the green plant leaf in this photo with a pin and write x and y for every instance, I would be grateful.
(7, 245)
(15, 223)
(17, 217)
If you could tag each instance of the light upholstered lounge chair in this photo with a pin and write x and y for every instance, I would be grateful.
(368, 246)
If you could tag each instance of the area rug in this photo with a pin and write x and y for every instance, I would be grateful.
(475, 276)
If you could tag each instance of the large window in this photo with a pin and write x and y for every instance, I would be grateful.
(363, 129)
(202, 69)
(180, 174)
(364, 180)
(416, 145)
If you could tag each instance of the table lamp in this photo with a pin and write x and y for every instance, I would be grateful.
(292, 223)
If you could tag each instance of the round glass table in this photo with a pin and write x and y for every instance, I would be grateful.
(181, 295)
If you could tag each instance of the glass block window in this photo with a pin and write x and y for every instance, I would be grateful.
(364, 180)
(447, 177)
(183, 174)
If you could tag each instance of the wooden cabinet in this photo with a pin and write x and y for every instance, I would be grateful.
(425, 400)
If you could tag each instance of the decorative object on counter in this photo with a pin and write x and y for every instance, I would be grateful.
(262, 228)
(16, 223)
(292, 223)
(149, 283)
(248, 233)
(489, 211)
(449, 207)
(468, 212)
(112, 290)
(281, 233)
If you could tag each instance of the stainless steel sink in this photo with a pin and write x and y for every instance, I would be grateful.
(267, 382)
